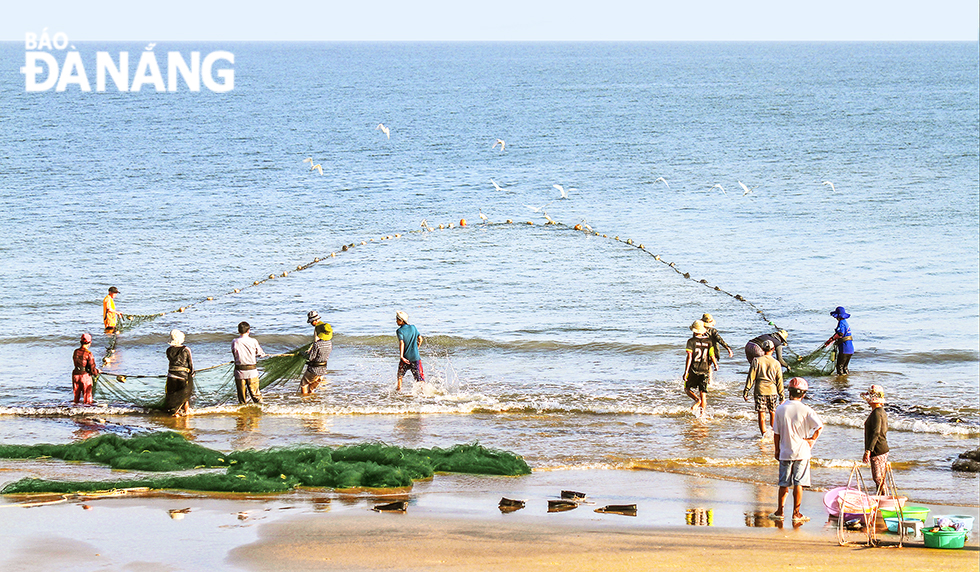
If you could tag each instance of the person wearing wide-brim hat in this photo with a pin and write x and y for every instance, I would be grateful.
(716, 340)
(697, 367)
(843, 341)
(876, 435)
(778, 339)
(317, 355)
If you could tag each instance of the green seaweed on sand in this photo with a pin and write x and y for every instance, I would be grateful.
(369, 465)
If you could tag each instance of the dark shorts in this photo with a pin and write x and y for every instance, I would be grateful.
(698, 381)
(766, 402)
(415, 366)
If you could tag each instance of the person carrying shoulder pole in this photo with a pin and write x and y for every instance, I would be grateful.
(246, 351)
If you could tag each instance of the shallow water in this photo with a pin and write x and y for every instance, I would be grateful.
(562, 346)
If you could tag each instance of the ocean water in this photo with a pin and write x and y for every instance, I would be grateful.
(563, 346)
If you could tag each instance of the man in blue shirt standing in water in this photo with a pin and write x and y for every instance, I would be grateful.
(409, 341)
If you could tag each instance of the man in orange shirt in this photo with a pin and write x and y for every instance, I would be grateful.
(109, 313)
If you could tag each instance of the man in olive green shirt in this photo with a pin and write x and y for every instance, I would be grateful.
(766, 374)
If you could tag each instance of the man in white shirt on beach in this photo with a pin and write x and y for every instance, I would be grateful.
(795, 428)
(246, 351)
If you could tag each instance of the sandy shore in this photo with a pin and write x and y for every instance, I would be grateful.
(452, 522)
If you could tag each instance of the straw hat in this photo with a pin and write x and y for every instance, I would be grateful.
(798, 383)
(874, 395)
(698, 327)
(312, 316)
(708, 320)
(176, 338)
(401, 316)
(783, 335)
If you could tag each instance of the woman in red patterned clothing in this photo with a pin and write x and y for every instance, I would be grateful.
(81, 376)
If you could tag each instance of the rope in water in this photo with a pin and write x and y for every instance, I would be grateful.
(427, 228)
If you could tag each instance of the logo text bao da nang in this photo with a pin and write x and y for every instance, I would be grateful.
(43, 71)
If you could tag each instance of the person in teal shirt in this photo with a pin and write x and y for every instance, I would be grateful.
(409, 341)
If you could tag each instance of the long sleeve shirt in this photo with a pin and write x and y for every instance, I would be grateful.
(876, 432)
(766, 376)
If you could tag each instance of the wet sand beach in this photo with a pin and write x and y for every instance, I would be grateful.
(452, 522)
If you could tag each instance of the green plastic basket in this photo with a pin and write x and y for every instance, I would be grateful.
(944, 538)
(909, 512)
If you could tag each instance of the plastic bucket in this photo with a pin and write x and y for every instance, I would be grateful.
(909, 512)
(964, 520)
(890, 503)
(892, 523)
(944, 538)
(856, 504)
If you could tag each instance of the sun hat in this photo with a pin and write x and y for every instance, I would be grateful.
(798, 383)
(767, 345)
(86, 338)
(698, 327)
(840, 313)
(312, 316)
(783, 336)
(401, 316)
(323, 331)
(176, 338)
(874, 395)
(707, 319)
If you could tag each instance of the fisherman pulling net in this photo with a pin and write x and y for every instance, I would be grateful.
(372, 465)
(213, 385)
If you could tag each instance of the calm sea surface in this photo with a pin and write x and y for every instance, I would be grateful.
(562, 346)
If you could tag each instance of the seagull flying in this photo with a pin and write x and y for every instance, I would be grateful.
(564, 193)
(384, 130)
(746, 189)
(495, 185)
(832, 187)
(499, 142)
(719, 187)
(317, 167)
(662, 180)
(538, 209)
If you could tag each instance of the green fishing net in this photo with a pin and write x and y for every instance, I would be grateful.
(214, 385)
(818, 362)
(371, 465)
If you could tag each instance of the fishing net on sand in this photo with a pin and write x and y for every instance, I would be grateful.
(369, 465)
(818, 362)
(213, 385)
